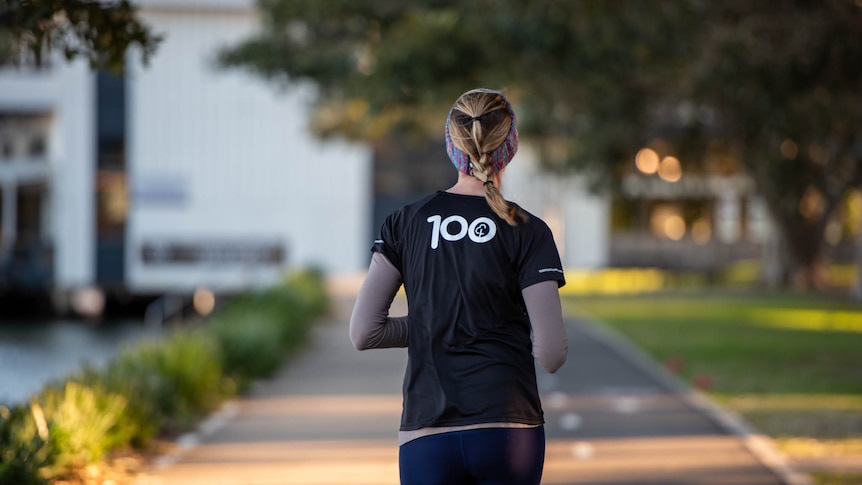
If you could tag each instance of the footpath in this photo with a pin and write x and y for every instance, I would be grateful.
(330, 417)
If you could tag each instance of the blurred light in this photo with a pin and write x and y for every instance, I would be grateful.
(818, 153)
(659, 217)
(811, 320)
(88, 302)
(647, 160)
(203, 301)
(583, 450)
(674, 227)
(854, 211)
(613, 281)
(670, 169)
(833, 233)
(789, 149)
(701, 232)
(811, 205)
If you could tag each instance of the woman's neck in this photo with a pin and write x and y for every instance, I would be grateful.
(470, 185)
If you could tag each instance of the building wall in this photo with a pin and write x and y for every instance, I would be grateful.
(222, 156)
(64, 92)
(578, 219)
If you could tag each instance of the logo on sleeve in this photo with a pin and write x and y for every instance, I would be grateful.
(480, 230)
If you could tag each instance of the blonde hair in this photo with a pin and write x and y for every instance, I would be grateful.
(480, 121)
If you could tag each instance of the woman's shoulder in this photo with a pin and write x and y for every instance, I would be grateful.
(528, 219)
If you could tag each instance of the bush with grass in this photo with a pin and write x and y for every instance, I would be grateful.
(26, 456)
(155, 388)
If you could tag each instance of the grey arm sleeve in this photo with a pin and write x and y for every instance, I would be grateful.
(550, 343)
(371, 327)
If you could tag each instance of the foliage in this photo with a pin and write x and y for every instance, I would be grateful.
(180, 377)
(25, 453)
(100, 31)
(84, 423)
(258, 327)
(744, 341)
(836, 478)
(765, 87)
(157, 387)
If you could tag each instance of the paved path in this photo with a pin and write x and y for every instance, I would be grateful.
(330, 417)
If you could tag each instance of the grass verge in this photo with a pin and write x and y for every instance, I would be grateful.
(790, 365)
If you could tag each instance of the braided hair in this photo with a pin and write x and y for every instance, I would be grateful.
(481, 139)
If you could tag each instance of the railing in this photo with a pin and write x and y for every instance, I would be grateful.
(27, 267)
(643, 250)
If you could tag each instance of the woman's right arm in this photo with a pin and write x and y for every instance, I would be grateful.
(371, 327)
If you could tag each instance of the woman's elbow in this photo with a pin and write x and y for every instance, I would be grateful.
(361, 340)
(553, 363)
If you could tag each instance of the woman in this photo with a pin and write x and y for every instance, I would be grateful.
(480, 273)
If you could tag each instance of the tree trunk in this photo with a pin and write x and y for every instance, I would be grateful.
(805, 245)
(775, 271)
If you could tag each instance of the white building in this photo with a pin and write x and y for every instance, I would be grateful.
(177, 176)
(579, 219)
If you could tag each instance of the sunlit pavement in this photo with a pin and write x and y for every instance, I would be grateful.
(331, 417)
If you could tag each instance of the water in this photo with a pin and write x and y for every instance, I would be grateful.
(33, 353)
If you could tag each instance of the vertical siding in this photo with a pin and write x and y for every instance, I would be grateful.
(73, 191)
(238, 152)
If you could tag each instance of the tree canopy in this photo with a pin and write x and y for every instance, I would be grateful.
(769, 88)
(101, 32)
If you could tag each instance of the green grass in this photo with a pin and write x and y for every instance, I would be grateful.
(790, 365)
(830, 478)
(745, 344)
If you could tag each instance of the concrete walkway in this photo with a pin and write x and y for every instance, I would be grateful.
(331, 417)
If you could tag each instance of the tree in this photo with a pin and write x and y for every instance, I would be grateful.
(770, 88)
(101, 32)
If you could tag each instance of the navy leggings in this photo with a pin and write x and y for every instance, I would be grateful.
(487, 456)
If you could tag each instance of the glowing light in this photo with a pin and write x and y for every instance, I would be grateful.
(674, 227)
(670, 169)
(701, 232)
(834, 233)
(812, 204)
(203, 301)
(89, 302)
(854, 212)
(660, 217)
(789, 149)
(647, 161)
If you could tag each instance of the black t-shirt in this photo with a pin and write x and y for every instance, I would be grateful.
(463, 267)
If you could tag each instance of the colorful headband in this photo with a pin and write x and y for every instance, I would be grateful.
(499, 158)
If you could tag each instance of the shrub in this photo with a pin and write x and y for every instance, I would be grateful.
(160, 386)
(181, 376)
(84, 423)
(256, 330)
(144, 390)
(309, 292)
(251, 346)
(25, 454)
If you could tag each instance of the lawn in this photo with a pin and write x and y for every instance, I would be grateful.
(791, 366)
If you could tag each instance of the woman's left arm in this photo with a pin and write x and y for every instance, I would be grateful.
(371, 327)
(550, 343)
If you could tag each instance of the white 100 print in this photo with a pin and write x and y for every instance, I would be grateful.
(480, 230)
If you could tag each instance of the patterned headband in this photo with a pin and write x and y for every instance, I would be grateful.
(499, 158)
